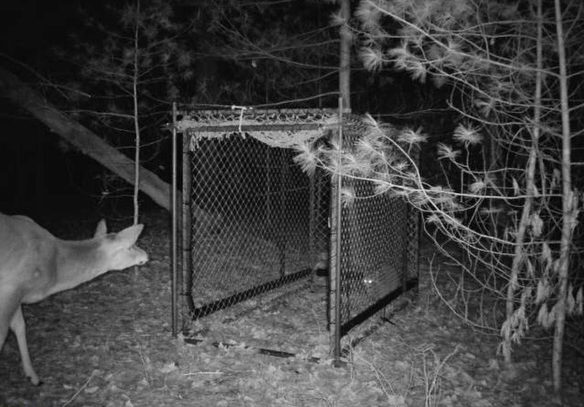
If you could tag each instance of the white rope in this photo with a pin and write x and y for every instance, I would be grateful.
(242, 109)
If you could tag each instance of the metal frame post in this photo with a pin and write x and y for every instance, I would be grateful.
(186, 224)
(174, 239)
(335, 260)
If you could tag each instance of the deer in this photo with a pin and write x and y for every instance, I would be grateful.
(34, 264)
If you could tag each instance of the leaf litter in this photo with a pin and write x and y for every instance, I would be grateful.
(108, 343)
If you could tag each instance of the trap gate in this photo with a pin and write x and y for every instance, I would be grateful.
(252, 220)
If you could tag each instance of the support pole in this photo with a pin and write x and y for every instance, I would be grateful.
(335, 261)
(187, 224)
(311, 225)
(174, 240)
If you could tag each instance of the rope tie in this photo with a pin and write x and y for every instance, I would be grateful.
(242, 109)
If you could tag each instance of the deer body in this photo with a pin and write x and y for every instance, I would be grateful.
(34, 264)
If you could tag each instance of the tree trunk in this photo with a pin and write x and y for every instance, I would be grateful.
(569, 206)
(345, 55)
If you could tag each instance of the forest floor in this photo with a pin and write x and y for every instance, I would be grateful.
(109, 343)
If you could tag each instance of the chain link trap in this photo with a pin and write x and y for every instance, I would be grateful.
(255, 218)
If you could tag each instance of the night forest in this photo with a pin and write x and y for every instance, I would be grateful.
(314, 202)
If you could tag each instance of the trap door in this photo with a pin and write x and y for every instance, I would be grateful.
(249, 203)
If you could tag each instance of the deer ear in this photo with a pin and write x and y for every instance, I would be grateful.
(101, 230)
(130, 235)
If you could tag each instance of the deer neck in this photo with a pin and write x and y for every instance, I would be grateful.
(77, 262)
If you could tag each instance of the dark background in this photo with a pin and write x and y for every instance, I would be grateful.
(37, 173)
(40, 173)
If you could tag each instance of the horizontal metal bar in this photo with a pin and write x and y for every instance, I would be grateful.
(247, 294)
(381, 303)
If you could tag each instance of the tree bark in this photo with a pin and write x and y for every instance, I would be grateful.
(345, 55)
(569, 205)
(82, 138)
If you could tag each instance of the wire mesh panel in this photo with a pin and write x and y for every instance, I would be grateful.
(375, 245)
(254, 232)
(320, 221)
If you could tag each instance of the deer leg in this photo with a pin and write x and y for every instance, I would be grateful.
(9, 302)
(19, 328)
